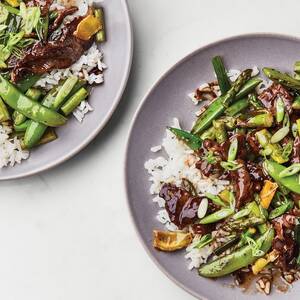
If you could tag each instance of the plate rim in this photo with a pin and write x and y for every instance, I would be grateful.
(134, 119)
(98, 129)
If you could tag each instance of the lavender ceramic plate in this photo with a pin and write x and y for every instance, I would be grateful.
(168, 99)
(75, 136)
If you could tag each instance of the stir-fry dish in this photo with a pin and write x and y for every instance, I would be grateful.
(229, 189)
(49, 60)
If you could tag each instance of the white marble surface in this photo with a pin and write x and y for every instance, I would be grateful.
(66, 234)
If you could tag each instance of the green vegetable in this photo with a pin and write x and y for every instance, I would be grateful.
(242, 224)
(230, 165)
(27, 82)
(4, 114)
(223, 80)
(262, 120)
(237, 107)
(233, 148)
(278, 211)
(74, 101)
(208, 134)
(33, 94)
(191, 140)
(42, 28)
(30, 16)
(254, 101)
(10, 9)
(101, 34)
(215, 199)
(279, 110)
(241, 214)
(238, 259)
(282, 78)
(27, 107)
(22, 127)
(205, 240)
(274, 169)
(289, 171)
(220, 131)
(248, 87)
(218, 107)
(217, 216)
(296, 103)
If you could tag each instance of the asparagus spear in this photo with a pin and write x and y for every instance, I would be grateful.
(218, 107)
(237, 107)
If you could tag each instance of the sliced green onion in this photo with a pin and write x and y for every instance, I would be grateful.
(202, 209)
(279, 135)
(221, 74)
(232, 152)
(230, 165)
(215, 199)
(242, 213)
(217, 216)
(291, 170)
(279, 110)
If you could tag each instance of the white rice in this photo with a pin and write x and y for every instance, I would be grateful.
(178, 163)
(10, 148)
(91, 60)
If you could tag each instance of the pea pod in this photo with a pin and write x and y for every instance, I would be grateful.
(279, 211)
(274, 169)
(217, 216)
(32, 110)
(239, 259)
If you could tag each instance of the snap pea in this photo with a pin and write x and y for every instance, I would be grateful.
(238, 259)
(274, 169)
(32, 110)
(74, 101)
(33, 94)
(191, 140)
(280, 210)
(4, 114)
(291, 170)
(101, 34)
(21, 127)
(217, 216)
(248, 87)
(218, 107)
(237, 107)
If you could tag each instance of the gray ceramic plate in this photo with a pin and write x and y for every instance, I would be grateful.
(168, 99)
(74, 136)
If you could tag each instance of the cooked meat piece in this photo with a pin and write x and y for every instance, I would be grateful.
(253, 143)
(269, 96)
(181, 206)
(61, 15)
(60, 54)
(43, 4)
(242, 184)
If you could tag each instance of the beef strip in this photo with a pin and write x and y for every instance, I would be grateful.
(268, 97)
(61, 15)
(58, 54)
(181, 206)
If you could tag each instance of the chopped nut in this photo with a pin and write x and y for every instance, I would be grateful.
(263, 284)
(288, 277)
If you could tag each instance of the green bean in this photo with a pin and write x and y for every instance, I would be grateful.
(218, 107)
(27, 107)
(4, 114)
(223, 80)
(279, 110)
(233, 148)
(279, 211)
(238, 259)
(296, 103)
(101, 34)
(215, 199)
(220, 131)
(33, 94)
(191, 140)
(282, 78)
(74, 101)
(254, 101)
(274, 169)
(217, 216)
(237, 107)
